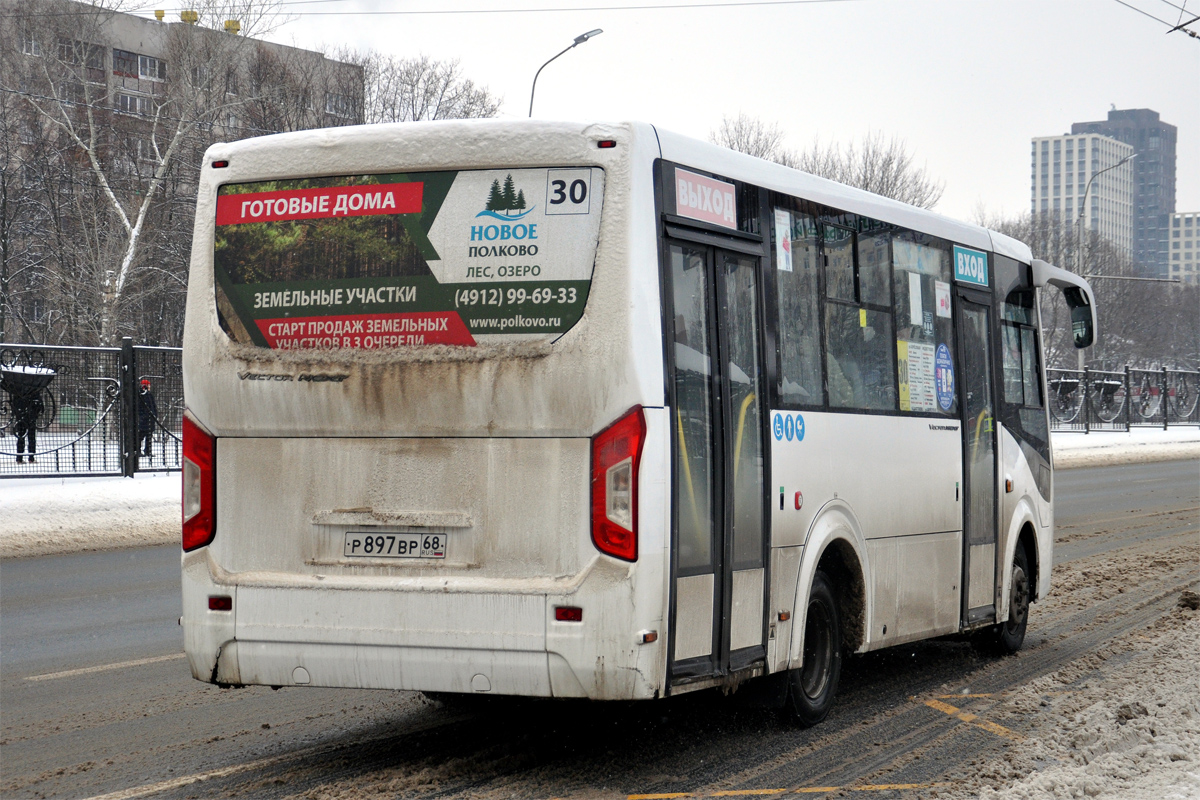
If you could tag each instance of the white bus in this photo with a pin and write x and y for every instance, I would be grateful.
(597, 410)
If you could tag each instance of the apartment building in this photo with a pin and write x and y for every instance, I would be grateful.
(1184, 247)
(1153, 179)
(1081, 180)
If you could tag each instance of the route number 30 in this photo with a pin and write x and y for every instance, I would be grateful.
(568, 191)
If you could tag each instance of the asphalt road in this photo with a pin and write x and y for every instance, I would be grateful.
(97, 700)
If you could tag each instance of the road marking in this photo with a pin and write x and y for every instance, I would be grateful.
(888, 787)
(50, 676)
(965, 716)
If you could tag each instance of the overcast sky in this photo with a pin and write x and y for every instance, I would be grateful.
(966, 83)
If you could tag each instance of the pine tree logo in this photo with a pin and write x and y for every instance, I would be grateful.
(504, 200)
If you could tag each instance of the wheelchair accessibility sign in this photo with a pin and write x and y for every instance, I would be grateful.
(788, 426)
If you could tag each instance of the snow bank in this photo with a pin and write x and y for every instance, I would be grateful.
(55, 515)
(46, 515)
(1139, 445)
(1126, 733)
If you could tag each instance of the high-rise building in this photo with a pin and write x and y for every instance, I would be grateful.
(1185, 248)
(1062, 168)
(1153, 179)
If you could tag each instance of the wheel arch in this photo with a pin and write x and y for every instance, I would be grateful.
(836, 546)
(1022, 531)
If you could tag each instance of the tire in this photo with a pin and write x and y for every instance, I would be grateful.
(1008, 636)
(811, 688)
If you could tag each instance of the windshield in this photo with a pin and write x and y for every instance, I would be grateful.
(402, 259)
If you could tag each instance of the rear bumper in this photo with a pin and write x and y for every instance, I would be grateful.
(439, 669)
(445, 638)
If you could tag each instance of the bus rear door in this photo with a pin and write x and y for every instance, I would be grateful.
(718, 545)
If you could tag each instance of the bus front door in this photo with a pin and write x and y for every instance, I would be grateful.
(979, 458)
(718, 566)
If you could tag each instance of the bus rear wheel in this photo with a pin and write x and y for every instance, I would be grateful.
(1008, 636)
(811, 688)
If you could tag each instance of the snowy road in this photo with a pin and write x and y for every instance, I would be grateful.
(98, 702)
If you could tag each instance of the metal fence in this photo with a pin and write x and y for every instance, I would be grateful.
(1096, 400)
(68, 411)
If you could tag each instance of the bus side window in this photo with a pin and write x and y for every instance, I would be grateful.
(1014, 384)
(797, 303)
(1022, 407)
(1019, 361)
(858, 321)
(924, 326)
(858, 349)
(839, 263)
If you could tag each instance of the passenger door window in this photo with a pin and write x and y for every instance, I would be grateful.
(693, 407)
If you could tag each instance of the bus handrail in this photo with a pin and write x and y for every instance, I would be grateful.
(687, 470)
(737, 452)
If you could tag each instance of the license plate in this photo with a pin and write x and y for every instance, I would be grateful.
(360, 544)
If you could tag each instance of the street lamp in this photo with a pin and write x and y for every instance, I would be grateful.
(1083, 206)
(1079, 228)
(580, 39)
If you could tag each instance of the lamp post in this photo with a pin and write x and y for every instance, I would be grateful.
(580, 39)
(1079, 225)
(1083, 206)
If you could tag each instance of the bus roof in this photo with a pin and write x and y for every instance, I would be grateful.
(686, 150)
(537, 136)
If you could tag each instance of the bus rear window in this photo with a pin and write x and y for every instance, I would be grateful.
(382, 261)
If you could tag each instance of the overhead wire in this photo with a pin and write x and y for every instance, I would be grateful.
(449, 11)
(1170, 26)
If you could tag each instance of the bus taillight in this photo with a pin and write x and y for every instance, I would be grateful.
(616, 454)
(199, 485)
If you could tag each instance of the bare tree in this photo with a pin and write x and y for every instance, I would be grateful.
(877, 164)
(109, 169)
(752, 136)
(292, 89)
(1141, 323)
(418, 88)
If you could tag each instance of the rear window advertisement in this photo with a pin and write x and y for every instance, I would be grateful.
(381, 261)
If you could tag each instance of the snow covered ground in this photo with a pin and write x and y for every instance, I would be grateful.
(1118, 447)
(39, 516)
(1120, 723)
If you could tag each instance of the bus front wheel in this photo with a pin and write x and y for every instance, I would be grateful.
(1008, 636)
(811, 688)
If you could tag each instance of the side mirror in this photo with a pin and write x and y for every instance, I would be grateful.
(1078, 294)
(1082, 319)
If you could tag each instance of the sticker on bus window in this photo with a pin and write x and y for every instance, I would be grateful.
(942, 292)
(382, 261)
(917, 372)
(783, 240)
(944, 377)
